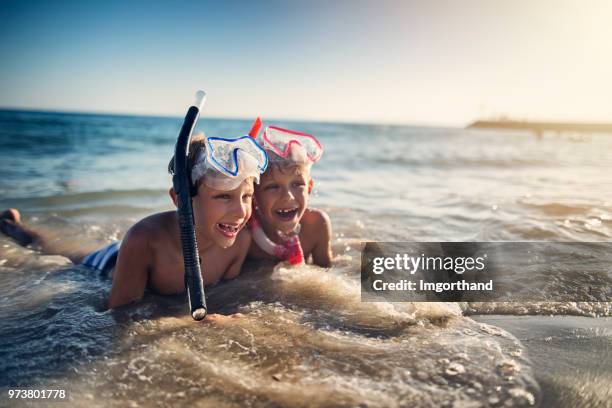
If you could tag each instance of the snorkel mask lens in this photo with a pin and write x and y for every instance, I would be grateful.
(298, 146)
(225, 163)
(226, 155)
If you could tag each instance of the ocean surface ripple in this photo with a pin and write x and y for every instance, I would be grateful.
(306, 338)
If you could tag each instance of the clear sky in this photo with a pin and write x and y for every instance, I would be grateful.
(423, 62)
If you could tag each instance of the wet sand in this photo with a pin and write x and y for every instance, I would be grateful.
(571, 356)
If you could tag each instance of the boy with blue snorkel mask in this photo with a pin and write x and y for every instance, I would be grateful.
(283, 225)
(223, 172)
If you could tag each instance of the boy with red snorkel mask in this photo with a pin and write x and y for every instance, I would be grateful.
(283, 225)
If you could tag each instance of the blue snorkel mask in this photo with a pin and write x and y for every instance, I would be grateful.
(225, 163)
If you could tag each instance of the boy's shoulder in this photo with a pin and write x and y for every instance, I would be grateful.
(313, 217)
(159, 223)
(151, 229)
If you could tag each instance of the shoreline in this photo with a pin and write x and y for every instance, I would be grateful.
(541, 127)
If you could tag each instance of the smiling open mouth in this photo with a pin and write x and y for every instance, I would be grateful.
(287, 213)
(228, 230)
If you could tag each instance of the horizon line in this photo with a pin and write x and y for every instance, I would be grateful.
(175, 116)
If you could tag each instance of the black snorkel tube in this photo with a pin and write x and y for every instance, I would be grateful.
(181, 182)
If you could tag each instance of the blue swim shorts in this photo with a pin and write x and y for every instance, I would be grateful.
(104, 259)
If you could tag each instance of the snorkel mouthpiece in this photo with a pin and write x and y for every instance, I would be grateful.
(182, 187)
(200, 99)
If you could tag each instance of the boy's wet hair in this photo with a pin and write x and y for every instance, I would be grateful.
(196, 143)
(287, 166)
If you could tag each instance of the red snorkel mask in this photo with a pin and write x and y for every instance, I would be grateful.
(284, 144)
(290, 144)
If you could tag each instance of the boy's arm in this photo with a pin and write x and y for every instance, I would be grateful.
(131, 272)
(322, 252)
(243, 243)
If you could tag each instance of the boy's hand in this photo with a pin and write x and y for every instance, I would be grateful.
(219, 318)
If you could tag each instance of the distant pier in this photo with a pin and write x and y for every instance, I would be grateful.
(540, 127)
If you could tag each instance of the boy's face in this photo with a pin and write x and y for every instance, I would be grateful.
(282, 197)
(219, 215)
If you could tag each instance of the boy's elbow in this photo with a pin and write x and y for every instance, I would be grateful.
(326, 255)
(325, 262)
(128, 286)
(326, 241)
(322, 256)
(115, 302)
(324, 223)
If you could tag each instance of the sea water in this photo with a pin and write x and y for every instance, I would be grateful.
(306, 338)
